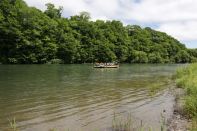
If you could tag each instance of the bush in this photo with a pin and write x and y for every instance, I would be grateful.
(12, 60)
(56, 61)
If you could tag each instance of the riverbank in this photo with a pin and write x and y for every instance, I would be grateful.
(178, 121)
(185, 110)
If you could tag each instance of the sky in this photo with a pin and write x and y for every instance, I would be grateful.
(177, 18)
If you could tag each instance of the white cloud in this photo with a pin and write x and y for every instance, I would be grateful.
(143, 11)
(164, 10)
(176, 17)
(98, 8)
(181, 30)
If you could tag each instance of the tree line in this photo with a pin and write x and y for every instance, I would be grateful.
(28, 36)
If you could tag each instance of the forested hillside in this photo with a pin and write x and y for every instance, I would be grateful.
(28, 35)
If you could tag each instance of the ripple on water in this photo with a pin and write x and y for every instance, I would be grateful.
(78, 97)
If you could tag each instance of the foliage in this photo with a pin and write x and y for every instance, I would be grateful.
(55, 61)
(28, 35)
(186, 78)
(52, 12)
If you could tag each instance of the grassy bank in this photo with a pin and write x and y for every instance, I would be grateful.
(186, 78)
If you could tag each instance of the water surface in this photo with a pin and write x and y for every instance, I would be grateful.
(79, 97)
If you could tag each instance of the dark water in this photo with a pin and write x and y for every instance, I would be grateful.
(78, 97)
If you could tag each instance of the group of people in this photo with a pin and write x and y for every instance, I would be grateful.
(105, 64)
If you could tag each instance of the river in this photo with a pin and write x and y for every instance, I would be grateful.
(79, 97)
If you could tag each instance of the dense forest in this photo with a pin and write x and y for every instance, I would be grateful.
(28, 35)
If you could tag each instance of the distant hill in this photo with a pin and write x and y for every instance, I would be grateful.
(28, 36)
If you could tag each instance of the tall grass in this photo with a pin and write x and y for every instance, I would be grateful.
(13, 125)
(127, 124)
(186, 78)
(122, 124)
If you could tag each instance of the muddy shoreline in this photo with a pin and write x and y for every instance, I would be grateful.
(178, 121)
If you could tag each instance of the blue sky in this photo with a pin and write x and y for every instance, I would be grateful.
(178, 18)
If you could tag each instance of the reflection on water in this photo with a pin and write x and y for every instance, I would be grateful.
(78, 97)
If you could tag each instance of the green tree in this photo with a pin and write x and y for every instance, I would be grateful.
(155, 58)
(182, 57)
(68, 49)
(52, 12)
(138, 57)
(28, 35)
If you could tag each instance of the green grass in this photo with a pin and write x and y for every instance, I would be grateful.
(186, 78)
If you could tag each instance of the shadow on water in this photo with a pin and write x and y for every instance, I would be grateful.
(79, 97)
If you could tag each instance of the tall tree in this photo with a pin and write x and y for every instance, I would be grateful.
(52, 12)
